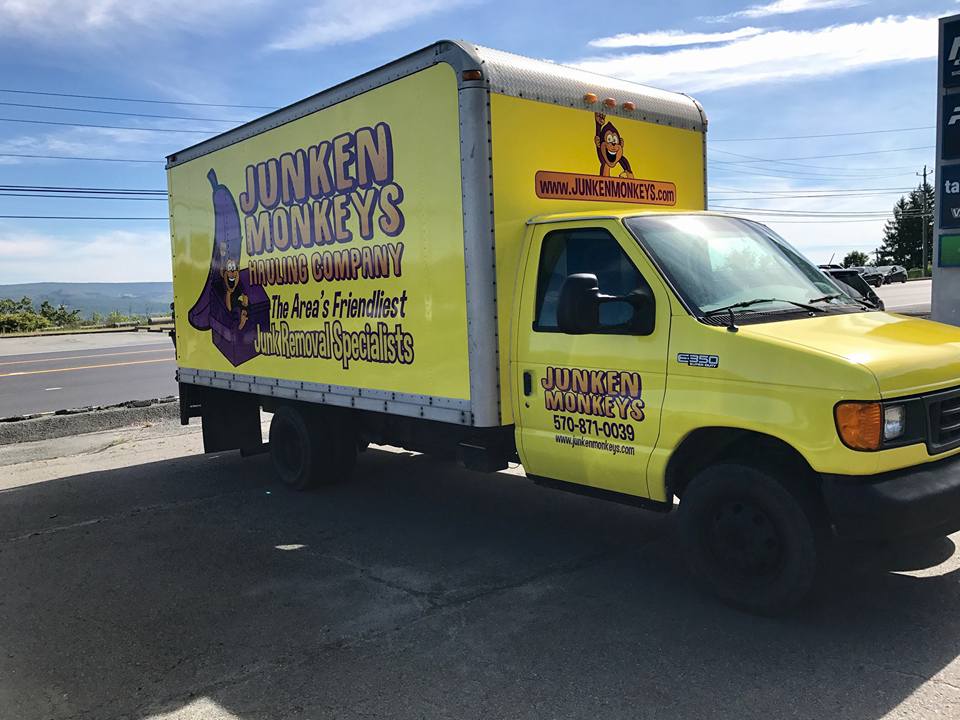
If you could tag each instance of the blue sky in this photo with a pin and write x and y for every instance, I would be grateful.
(773, 69)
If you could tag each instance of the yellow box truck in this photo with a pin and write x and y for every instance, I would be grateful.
(475, 254)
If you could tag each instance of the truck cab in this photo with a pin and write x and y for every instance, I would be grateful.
(700, 357)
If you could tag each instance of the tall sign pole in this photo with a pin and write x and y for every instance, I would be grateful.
(924, 214)
(946, 246)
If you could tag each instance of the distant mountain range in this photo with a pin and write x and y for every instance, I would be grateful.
(134, 298)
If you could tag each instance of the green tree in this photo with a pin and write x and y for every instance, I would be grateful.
(855, 258)
(22, 322)
(9, 305)
(902, 244)
(61, 316)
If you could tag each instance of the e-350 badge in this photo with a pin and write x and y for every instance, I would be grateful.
(697, 360)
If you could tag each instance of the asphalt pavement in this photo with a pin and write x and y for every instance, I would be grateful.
(910, 297)
(49, 373)
(142, 579)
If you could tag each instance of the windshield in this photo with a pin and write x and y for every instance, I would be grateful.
(715, 262)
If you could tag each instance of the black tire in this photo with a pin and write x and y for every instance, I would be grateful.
(748, 539)
(306, 451)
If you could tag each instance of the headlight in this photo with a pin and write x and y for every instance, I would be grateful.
(876, 425)
(894, 420)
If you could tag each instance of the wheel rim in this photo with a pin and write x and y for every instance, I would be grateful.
(744, 538)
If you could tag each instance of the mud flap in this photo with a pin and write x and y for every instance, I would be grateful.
(230, 420)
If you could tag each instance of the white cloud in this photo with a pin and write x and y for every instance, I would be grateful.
(778, 55)
(102, 19)
(111, 256)
(672, 38)
(338, 22)
(785, 7)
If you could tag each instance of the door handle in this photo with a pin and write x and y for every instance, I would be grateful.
(527, 382)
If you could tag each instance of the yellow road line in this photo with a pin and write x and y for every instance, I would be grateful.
(84, 357)
(84, 367)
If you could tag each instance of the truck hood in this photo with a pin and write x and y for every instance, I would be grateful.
(906, 355)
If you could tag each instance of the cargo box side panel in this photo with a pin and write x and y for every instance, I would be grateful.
(546, 159)
(325, 256)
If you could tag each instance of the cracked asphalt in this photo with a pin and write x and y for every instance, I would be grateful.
(142, 579)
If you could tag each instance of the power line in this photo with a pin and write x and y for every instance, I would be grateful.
(139, 100)
(793, 190)
(75, 217)
(812, 197)
(807, 212)
(819, 222)
(799, 175)
(110, 127)
(773, 212)
(68, 188)
(74, 157)
(3, 193)
(752, 158)
(824, 135)
(117, 112)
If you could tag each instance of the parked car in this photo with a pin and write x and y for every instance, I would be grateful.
(896, 273)
(852, 282)
(873, 275)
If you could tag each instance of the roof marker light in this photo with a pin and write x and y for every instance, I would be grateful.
(590, 98)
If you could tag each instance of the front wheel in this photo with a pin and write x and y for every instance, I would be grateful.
(748, 539)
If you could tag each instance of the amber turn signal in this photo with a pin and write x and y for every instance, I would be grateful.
(859, 424)
(590, 98)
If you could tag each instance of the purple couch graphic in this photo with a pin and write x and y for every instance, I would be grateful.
(229, 306)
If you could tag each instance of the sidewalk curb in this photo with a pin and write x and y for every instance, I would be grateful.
(77, 421)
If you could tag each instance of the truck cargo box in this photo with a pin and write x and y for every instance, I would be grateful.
(359, 248)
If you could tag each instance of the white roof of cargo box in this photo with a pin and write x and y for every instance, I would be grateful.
(519, 76)
(503, 73)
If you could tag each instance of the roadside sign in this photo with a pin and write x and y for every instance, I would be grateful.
(949, 251)
(950, 128)
(949, 196)
(945, 300)
(950, 55)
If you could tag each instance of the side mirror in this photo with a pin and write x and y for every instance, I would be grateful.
(644, 311)
(578, 308)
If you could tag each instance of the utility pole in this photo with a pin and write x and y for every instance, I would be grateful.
(923, 225)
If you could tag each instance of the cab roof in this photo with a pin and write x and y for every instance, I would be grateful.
(617, 214)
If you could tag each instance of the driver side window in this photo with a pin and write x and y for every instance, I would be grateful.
(586, 250)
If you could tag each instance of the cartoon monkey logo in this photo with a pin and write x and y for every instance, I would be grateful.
(609, 144)
(230, 274)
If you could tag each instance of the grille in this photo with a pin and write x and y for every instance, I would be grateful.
(944, 411)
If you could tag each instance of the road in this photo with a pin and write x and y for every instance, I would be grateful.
(51, 373)
(144, 580)
(911, 297)
(41, 374)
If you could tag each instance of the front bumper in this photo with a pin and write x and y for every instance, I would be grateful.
(923, 500)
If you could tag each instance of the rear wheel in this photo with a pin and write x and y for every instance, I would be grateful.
(308, 447)
(748, 539)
